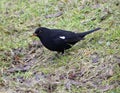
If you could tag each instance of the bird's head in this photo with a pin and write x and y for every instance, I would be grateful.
(39, 31)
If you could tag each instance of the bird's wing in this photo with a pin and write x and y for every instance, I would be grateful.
(65, 36)
(66, 39)
(71, 38)
(59, 40)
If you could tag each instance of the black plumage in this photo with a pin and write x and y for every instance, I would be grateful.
(59, 40)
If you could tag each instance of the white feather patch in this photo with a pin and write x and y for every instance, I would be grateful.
(62, 37)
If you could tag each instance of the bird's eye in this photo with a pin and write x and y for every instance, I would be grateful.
(40, 31)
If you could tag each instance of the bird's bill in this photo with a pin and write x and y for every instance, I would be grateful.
(33, 35)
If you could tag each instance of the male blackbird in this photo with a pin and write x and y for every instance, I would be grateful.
(59, 40)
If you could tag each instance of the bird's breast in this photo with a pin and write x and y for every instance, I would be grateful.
(48, 43)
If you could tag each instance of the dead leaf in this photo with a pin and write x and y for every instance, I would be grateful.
(54, 15)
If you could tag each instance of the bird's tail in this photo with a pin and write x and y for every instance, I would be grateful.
(83, 34)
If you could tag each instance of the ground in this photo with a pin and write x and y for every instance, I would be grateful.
(91, 66)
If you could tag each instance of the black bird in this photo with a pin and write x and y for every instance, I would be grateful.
(59, 40)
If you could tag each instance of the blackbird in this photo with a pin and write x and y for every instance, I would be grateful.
(59, 40)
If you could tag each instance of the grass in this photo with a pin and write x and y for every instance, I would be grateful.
(19, 19)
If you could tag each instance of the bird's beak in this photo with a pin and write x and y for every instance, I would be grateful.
(33, 35)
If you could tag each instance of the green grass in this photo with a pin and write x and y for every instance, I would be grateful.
(19, 19)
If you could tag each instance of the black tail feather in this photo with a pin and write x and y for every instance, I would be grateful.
(88, 32)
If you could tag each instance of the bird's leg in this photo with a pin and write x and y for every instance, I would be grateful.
(59, 53)
(62, 52)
